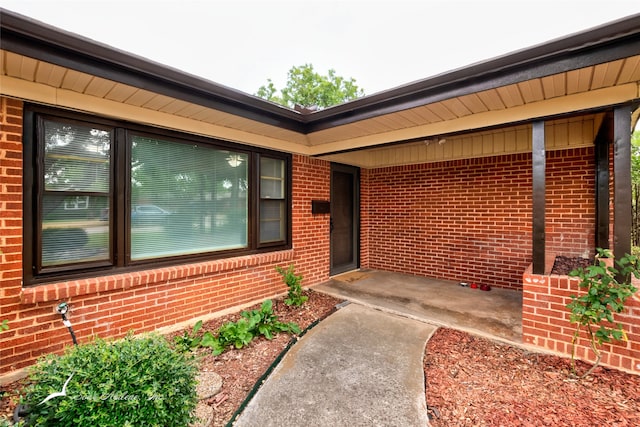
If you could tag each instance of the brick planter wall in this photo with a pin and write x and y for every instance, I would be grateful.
(471, 219)
(545, 322)
(111, 306)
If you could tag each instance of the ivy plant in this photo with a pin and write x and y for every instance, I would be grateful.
(295, 295)
(606, 288)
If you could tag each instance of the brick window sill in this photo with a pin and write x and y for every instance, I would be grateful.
(73, 288)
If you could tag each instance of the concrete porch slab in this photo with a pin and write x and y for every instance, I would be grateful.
(496, 314)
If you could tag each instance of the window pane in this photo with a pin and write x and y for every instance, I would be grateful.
(186, 199)
(74, 229)
(76, 158)
(271, 178)
(272, 203)
(272, 221)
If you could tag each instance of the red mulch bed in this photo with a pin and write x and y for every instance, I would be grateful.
(470, 381)
(473, 381)
(563, 264)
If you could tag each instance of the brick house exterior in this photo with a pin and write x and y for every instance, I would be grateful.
(146, 300)
(447, 179)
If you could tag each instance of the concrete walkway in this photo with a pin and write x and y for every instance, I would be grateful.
(362, 366)
(358, 367)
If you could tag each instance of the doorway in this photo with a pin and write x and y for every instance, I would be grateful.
(345, 218)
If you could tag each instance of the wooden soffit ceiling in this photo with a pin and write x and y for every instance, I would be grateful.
(578, 74)
(584, 89)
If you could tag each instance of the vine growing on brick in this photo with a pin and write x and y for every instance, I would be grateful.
(606, 288)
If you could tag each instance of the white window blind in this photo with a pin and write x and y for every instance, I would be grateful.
(186, 198)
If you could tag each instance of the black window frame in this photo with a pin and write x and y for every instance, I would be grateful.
(119, 197)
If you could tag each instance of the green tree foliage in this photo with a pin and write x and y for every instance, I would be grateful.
(307, 88)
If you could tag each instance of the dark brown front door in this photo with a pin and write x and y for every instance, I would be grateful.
(345, 219)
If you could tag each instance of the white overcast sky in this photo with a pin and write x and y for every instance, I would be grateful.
(380, 43)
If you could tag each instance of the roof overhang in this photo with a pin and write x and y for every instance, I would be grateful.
(581, 74)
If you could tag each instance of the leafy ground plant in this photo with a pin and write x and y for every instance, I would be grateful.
(189, 340)
(294, 296)
(606, 290)
(252, 324)
(127, 382)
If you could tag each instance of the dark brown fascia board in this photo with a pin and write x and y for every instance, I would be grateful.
(612, 41)
(34, 39)
(609, 42)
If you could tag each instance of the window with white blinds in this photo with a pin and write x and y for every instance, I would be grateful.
(107, 195)
(186, 198)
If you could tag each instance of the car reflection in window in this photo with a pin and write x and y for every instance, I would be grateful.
(149, 214)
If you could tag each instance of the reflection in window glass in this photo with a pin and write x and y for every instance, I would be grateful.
(76, 183)
(272, 202)
(76, 158)
(271, 178)
(74, 235)
(186, 199)
(271, 221)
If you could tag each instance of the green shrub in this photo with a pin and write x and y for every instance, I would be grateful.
(5, 422)
(128, 382)
(294, 296)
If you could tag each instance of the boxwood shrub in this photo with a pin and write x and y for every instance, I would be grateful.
(135, 381)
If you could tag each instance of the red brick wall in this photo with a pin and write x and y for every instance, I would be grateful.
(571, 210)
(111, 306)
(545, 322)
(11, 225)
(311, 181)
(471, 219)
